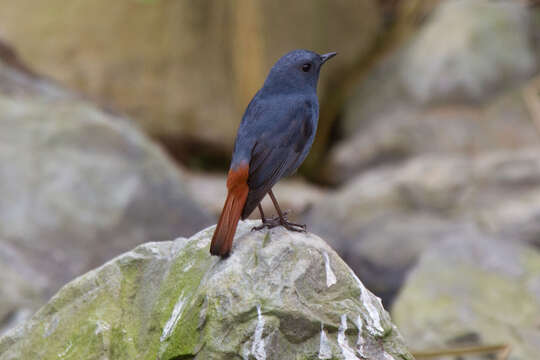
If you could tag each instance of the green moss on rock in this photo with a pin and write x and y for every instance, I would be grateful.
(273, 298)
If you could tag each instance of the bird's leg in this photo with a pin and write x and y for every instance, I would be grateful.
(272, 220)
(283, 217)
(266, 223)
(269, 223)
(280, 220)
(263, 218)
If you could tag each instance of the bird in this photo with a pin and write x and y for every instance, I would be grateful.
(273, 139)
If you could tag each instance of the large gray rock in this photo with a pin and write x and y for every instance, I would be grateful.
(182, 69)
(280, 295)
(23, 289)
(406, 130)
(78, 187)
(456, 87)
(383, 219)
(468, 49)
(470, 289)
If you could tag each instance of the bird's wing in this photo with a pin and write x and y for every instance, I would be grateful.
(277, 151)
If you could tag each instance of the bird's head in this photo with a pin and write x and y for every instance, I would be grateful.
(296, 71)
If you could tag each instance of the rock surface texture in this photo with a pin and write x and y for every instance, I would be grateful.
(78, 186)
(470, 289)
(280, 295)
(489, 45)
(458, 87)
(383, 219)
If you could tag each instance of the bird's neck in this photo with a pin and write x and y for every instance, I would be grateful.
(273, 89)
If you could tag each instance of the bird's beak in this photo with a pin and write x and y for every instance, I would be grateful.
(328, 56)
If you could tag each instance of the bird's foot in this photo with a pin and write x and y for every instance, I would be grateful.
(294, 226)
(278, 221)
(267, 223)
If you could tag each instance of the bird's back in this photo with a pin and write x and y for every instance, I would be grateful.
(274, 137)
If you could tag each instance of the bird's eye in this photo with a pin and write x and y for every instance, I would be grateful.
(306, 67)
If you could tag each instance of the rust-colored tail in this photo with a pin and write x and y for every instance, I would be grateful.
(232, 210)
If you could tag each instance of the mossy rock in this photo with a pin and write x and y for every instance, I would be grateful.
(79, 185)
(473, 290)
(280, 295)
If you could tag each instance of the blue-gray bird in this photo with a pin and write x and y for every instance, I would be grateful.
(274, 138)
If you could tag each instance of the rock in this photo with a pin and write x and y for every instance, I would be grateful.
(391, 137)
(383, 219)
(280, 295)
(486, 46)
(22, 287)
(79, 186)
(16, 79)
(182, 69)
(466, 96)
(470, 289)
(294, 194)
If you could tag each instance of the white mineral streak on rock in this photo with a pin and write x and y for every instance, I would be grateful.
(348, 353)
(367, 301)
(152, 249)
(245, 352)
(51, 326)
(330, 276)
(257, 348)
(372, 310)
(63, 353)
(173, 320)
(325, 351)
(188, 266)
(360, 342)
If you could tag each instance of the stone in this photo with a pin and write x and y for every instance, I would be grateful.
(383, 219)
(468, 49)
(505, 122)
(470, 289)
(280, 295)
(182, 69)
(457, 87)
(22, 287)
(79, 185)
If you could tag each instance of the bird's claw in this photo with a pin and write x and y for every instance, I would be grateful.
(277, 221)
(294, 227)
(267, 223)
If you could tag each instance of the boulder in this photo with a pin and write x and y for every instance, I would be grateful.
(471, 289)
(23, 288)
(457, 87)
(382, 220)
(469, 49)
(280, 295)
(504, 123)
(183, 69)
(73, 175)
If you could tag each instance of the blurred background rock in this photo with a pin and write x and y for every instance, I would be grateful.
(429, 139)
(78, 186)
